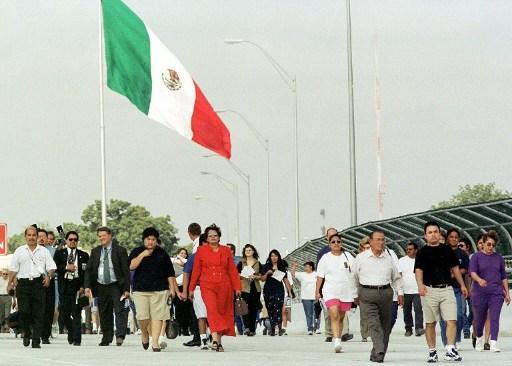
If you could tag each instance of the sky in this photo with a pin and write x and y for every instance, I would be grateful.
(445, 74)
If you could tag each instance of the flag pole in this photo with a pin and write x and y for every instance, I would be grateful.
(102, 120)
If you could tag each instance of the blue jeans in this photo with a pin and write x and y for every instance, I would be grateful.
(309, 310)
(461, 305)
(394, 314)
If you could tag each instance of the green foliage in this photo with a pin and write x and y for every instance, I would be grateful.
(127, 222)
(474, 194)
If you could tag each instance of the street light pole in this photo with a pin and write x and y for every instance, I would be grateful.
(351, 126)
(291, 83)
(233, 188)
(265, 144)
(247, 179)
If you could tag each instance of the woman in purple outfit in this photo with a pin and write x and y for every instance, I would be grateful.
(489, 290)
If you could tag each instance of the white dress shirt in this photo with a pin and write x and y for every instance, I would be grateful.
(372, 270)
(32, 264)
(406, 267)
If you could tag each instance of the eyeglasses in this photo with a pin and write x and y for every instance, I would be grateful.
(336, 242)
(72, 239)
(490, 245)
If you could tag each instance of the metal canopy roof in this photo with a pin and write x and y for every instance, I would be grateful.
(471, 220)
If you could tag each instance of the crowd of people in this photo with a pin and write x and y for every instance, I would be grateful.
(210, 292)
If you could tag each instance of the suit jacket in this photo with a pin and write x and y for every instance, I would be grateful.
(119, 258)
(61, 260)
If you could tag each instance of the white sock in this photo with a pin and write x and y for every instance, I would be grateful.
(449, 347)
(203, 336)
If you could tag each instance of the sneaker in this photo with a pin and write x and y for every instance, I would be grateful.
(364, 339)
(467, 334)
(310, 332)
(493, 347)
(264, 331)
(408, 333)
(337, 345)
(346, 337)
(479, 345)
(432, 357)
(452, 355)
(318, 331)
(204, 344)
(282, 332)
(487, 346)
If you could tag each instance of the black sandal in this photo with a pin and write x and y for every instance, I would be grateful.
(220, 348)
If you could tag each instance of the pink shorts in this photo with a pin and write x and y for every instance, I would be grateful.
(343, 306)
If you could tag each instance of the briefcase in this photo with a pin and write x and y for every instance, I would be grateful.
(241, 307)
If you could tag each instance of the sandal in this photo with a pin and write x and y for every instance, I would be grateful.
(220, 348)
(215, 346)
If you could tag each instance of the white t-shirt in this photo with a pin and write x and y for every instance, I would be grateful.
(406, 267)
(339, 280)
(307, 285)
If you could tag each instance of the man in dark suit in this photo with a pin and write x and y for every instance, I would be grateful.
(71, 264)
(107, 276)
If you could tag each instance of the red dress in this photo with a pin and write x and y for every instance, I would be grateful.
(218, 279)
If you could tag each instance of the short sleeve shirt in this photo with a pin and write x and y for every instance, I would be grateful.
(436, 263)
(153, 272)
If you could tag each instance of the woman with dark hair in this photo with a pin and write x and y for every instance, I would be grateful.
(250, 269)
(307, 281)
(274, 275)
(215, 269)
(489, 290)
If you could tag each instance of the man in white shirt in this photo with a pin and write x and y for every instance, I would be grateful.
(31, 269)
(411, 295)
(307, 281)
(377, 276)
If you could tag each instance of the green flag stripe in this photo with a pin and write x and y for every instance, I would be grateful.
(127, 52)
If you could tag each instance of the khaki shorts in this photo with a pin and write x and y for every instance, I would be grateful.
(151, 305)
(439, 301)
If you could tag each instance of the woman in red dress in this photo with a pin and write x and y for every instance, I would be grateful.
(214, 269)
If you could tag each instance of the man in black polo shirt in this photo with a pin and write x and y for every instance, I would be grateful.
(434, 266)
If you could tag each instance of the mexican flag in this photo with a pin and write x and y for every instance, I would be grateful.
(141, 68)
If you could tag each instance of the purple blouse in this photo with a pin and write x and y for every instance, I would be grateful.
(490, 268)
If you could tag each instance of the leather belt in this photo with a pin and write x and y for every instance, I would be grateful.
(383, 287)
(439, 286)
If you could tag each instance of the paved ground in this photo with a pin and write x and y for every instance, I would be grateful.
(295, 349)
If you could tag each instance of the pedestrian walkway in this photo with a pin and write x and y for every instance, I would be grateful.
(295, 349)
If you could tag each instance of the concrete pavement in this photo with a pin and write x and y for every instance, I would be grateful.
(295, 349)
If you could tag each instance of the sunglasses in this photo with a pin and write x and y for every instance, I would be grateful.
(5, 274)
(336, 242)
(490, 245)
(72, 239)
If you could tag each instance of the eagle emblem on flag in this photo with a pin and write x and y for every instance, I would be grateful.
(171, 79)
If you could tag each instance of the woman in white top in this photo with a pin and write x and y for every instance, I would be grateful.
(339, 289)
(307, 281)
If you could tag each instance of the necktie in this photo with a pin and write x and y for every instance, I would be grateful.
(71, 258)
(106, 268)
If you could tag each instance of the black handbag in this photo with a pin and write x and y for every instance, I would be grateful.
(172, 328)
(13, 320)
(241, 307)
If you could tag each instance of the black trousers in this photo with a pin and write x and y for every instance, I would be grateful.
(410, 301)
(183, 312)
(49, 310)
(109, 303)
(254, 304)
(70, 311)
(31, 298)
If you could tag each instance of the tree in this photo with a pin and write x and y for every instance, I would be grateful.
(474, 194)
(127, 222)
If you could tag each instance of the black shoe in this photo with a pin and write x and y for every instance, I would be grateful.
(156, 349)
(145, 345)
(473, 341)
(185, 332)
(346, 337)
(408, 333)
(487, 346)
(282, 331)
(467, 334)
(76, 343)
(45, 341)
(193, 343)
(103, 344)
(328, 339)
(119, 341)
(26, 341)
(36, 345)
(272, 332)
(264, 331)
(70, 338)
(420, 332)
